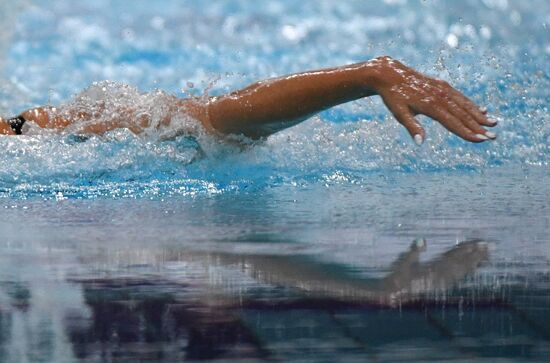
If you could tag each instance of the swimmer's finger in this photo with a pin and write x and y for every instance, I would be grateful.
(467, 119)
(454, 125)
(406, 118)
(478, 113)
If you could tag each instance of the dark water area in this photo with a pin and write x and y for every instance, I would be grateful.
(273, 276)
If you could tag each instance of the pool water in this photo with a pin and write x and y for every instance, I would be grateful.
(336, 240)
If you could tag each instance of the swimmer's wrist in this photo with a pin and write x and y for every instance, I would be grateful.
(373, 71)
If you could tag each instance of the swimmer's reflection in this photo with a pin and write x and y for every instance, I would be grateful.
(407, 279)
(144, 318)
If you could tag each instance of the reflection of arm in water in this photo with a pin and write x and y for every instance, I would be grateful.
(271, 105)
(407, 279)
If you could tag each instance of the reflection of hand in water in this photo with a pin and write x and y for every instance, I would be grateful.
(408, 277)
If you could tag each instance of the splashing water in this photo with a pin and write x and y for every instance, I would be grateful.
(483, 53)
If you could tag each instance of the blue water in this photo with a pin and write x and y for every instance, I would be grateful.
(145, 247)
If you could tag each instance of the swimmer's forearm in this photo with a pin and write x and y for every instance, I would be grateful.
(265, 106)
(41, 117)
(48, 117)
(38, 115)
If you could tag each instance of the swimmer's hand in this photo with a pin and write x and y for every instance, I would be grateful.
(407, 93)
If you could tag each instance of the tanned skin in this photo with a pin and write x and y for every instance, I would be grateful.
(268, 106)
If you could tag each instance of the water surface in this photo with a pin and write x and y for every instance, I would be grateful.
(338, 239)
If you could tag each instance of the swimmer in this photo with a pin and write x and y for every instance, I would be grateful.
(269, 106)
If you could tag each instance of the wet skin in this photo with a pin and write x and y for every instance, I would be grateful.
(268, 106)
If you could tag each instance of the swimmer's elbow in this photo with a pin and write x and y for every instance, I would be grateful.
(199, 110)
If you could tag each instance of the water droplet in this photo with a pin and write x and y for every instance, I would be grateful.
(452, 40)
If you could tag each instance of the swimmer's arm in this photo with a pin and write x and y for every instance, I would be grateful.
(48, 117)
(40, 116)
(274, 104)
(268, 106)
